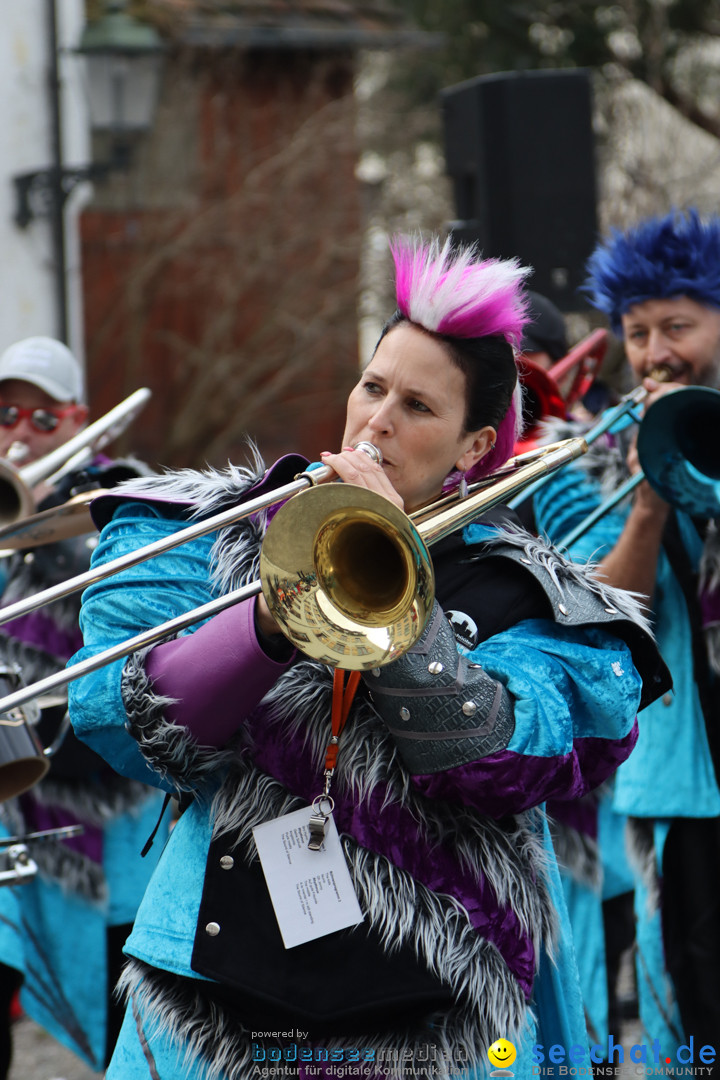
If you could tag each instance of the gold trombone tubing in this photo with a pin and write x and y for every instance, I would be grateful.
(609, 419)
(430, 531)
(519, 461)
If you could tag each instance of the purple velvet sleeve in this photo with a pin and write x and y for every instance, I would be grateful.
(508, 783)
(578, 814)
(216, 676)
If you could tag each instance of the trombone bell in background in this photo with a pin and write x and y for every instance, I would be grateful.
(679, 452)
(22, 760)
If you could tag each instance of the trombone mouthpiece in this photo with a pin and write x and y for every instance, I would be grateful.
(17, 452)
(371, 451)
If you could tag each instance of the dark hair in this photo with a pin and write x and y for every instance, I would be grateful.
(545, 333)
(488, 364)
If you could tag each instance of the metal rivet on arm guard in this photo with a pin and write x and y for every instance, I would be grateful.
(441, 710)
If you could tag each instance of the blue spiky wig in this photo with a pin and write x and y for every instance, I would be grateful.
(674, 255)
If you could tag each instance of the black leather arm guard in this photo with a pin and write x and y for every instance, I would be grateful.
(441, 710)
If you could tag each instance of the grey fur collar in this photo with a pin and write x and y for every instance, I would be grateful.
(94, 801)
(33, 663)
(236, 551)
(73, 872)
(209, 489)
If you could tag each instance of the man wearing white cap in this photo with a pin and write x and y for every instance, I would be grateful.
(41, 397)
(61, 934)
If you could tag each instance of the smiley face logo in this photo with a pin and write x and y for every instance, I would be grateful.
(502, 1053)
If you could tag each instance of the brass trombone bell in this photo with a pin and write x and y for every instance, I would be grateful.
(16, 498)
(346, 576)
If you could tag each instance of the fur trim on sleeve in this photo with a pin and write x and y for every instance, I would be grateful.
(168, 748)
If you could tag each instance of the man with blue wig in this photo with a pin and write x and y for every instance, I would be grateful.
(659, 285)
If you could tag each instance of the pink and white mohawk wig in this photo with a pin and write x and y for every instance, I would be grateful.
(451, 291)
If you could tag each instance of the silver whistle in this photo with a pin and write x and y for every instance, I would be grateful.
(317, 826)
(322, 806)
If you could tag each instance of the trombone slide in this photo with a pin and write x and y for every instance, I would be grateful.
(587, 523)
(16, 864)
(429, 532)
(610, 418)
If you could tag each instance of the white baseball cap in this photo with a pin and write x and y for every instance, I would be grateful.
(45, 363)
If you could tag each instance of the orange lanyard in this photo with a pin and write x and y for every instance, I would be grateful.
(342, 699)
(322, 806)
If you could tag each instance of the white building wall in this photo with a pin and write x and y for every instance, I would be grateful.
(27, 270)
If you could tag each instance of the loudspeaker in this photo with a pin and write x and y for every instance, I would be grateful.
(520, 151)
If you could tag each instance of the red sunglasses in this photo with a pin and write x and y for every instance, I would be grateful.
(43, 420)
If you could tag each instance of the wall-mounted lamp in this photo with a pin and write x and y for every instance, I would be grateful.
(123, 60)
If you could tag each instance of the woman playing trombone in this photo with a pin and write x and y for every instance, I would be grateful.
(438, 774)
